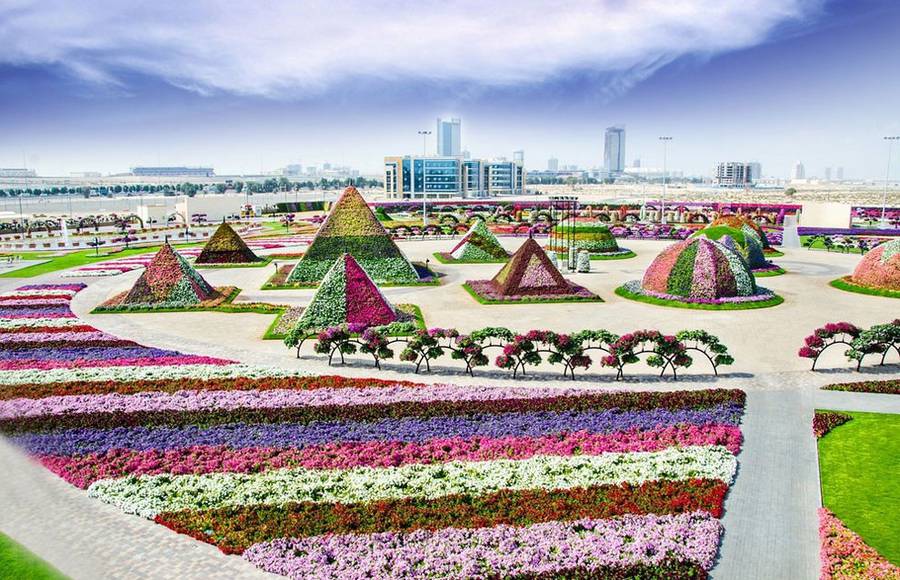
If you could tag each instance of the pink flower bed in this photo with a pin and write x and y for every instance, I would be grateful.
(845, 555)
(85, 469)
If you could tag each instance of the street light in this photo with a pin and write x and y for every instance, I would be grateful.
(887, 176)
(424, 135)
(662, 203)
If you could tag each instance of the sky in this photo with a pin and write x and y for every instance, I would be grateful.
(244, 87)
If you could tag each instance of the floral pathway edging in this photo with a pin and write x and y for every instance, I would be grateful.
(326, 476)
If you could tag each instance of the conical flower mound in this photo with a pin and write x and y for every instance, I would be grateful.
(880, 267)
(169, 281)
(744, 241)
(530, 272)
(352, 228)
(346, 295)
(744, 224)
(699, 269)
(479, 245)
(226, 247)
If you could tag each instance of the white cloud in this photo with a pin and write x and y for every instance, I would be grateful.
(286, 49)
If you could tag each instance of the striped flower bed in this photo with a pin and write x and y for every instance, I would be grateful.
(331, 477)
(122, 265)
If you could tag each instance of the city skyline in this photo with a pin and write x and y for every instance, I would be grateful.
(793, 80)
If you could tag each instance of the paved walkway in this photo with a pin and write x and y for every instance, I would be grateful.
(770, 519)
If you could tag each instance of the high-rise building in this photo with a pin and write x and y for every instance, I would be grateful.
(448, 138)
(636, 162)
(799, 172)
(519, 157)
(840, 174)
(553, 164)
(736, 173)
(827, 174)
(614, 150)
(466, 154)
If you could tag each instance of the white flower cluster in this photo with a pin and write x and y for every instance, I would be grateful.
(149, 495)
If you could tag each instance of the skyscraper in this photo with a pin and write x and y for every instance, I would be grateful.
(840, 173)
(799, 171)
(614, 150)
(553, 164)
(828, 174)
(448, 137)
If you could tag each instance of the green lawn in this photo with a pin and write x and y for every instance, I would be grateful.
(17, 562)
(75, 259)
(859, 465)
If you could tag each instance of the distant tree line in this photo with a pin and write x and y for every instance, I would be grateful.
(190, 189)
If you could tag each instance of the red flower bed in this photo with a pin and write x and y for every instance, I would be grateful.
(236, 528)
(825, 421)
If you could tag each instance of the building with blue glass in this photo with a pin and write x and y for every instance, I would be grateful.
(444, 177)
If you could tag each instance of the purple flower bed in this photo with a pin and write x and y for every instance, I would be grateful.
(240, 435)
(88, 353)
(488, 290)
(502, 551)
(40, 312)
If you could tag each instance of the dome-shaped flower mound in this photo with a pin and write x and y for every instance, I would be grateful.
(742, 223)
(699, 269)
(880, 267)
(595, 238)
(745, 242)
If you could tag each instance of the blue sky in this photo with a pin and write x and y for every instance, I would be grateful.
(103, 85)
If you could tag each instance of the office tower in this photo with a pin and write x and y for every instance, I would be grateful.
(799, 171)
(827, 174)
(637, 162)
(736, 173)
(614, 150)
(448, 137)
(519, 157)
(553, 164)
(840, 174)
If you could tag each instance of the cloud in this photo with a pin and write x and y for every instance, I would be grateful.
(289, 49)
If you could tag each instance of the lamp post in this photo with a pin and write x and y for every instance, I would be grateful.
(424, 135)
(662, 203)
(887, 176)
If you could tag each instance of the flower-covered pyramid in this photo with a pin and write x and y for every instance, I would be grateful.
(880, 267)
(699, 271)
(479, 245)
(743, 223)
(226, 247)
(352, 228)
(594, 238)
(169, 281)
(346, 295)
(744, 241)
(528, 276)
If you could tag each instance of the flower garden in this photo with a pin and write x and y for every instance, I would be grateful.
(479, 245)
(352, 228)
(700, 273)
(857, 523)
(319, 476)
(877, 274)
(169, 282)
(226, 248)
(747, 243)
(528, 277)
(595, 238)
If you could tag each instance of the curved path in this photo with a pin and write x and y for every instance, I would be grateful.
(770, 519)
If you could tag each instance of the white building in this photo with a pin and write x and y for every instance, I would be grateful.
(736, 173)
(17, 172)
(614, 150)
(449, 143)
